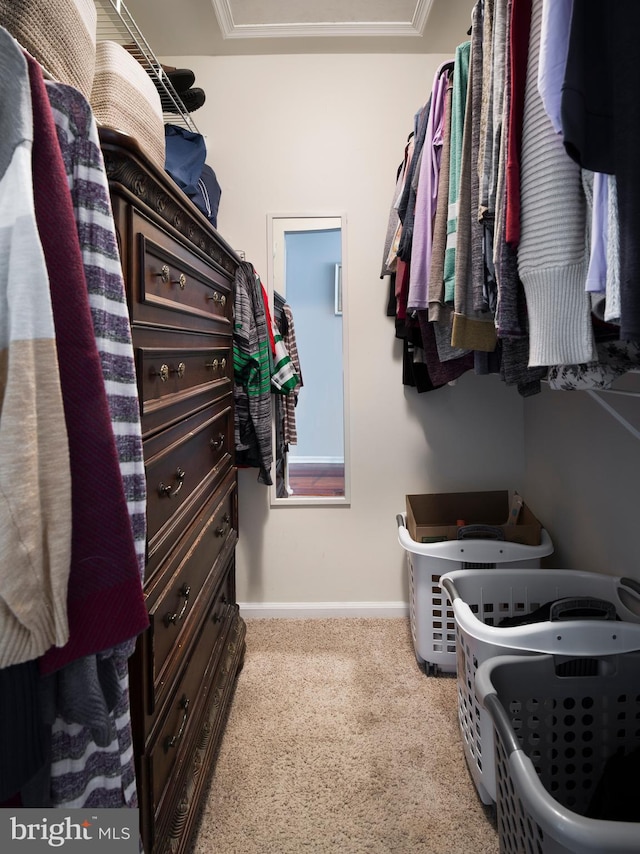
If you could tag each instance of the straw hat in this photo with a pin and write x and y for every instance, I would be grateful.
(60, 34)
(124, 98)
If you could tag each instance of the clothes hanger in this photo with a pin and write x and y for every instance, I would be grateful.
(448, 66)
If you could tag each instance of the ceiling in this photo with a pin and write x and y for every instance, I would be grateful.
(237, 27)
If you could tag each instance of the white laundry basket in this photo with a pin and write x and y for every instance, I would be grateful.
(432, 620)
(563, 733)
(481, 599)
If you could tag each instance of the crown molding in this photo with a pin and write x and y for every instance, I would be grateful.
(348, 29)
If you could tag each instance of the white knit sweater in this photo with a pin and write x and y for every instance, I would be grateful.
(553, 253)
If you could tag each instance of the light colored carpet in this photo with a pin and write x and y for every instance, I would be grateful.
(336, 742)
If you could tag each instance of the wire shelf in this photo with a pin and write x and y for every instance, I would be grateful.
(115, 23)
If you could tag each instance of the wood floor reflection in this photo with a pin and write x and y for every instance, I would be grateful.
(316, 479)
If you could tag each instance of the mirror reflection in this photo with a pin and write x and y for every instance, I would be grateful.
(310, 435)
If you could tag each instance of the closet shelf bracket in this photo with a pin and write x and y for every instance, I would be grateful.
(621, 419)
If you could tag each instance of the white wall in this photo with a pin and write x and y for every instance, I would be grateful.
(583, 471)
(319, 133)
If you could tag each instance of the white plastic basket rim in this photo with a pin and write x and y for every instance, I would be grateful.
(575, 832)
(581, 637)
(476, 551)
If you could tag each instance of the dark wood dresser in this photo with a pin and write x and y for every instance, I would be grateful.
(179, 277)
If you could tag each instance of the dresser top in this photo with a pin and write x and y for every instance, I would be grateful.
(134, 177)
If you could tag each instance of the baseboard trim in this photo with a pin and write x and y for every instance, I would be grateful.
(322, 610)
(306, 461)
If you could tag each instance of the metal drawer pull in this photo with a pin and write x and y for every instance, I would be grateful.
(163, 373)
(218, 298)
(165, 370)
(222, 530)
(216, 364)
(170, 619)
(165, 275)
(171, 741)
(216, 444)
(169, 491)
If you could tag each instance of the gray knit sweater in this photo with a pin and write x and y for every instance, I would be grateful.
(552, 255)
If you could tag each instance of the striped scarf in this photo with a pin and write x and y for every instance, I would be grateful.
(284, 377)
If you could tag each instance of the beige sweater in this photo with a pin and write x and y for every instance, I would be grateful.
(35, 483)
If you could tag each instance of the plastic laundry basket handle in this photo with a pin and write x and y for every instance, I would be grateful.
(582, 608)
(480, 532)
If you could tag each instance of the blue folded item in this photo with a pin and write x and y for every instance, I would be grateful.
(207, 196)
(185, 154)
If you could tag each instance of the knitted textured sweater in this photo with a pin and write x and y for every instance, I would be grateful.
(35, 483)
(552, 254)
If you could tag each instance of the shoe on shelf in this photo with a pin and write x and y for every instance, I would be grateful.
(193, 99)
(190, 100)
(180, 78)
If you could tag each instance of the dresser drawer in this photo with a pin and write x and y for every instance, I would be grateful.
(171, 746)
(174, 381)
(174, 287)
(176, 603)
(181, 463)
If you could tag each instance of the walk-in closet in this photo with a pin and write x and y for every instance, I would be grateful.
(320, 365)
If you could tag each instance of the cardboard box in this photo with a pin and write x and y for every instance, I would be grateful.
(438, 516)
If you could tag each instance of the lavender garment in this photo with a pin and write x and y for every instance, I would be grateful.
(554, 47)
(427, 196)
(597, 274)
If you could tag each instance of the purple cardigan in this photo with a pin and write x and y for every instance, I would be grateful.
(427, 196)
